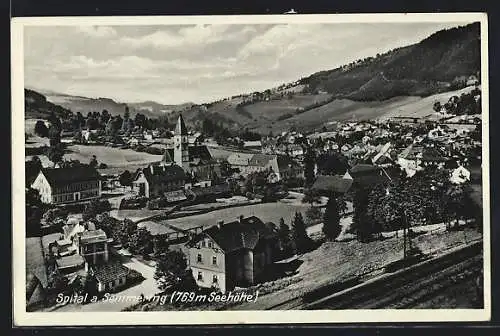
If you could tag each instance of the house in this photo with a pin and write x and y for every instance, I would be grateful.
(232, 254)
(410, 159)
(366, 175)
(460, 175)
(472, 80)
(157, 179)
(109, 276)
(70, 263)
(256, 145)
(92, 245)
(68, 184)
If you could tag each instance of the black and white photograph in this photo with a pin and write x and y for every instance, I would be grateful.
(331, 166)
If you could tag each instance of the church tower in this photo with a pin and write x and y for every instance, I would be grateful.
(181, 153)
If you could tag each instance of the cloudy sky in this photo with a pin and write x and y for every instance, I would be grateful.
(199, 63)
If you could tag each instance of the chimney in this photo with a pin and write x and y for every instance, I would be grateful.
(220, 224)
(240, 218)
(152, 169)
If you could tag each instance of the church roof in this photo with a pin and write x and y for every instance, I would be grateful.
(180, 128)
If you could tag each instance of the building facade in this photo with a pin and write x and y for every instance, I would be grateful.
(233, 254)
(67, 185)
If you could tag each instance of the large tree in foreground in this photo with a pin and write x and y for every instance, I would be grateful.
(331, 219)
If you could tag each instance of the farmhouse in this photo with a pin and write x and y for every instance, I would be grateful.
(69, 184)
(232, 254)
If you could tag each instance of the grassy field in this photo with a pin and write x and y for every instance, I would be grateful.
(113, 157)
(267, 212)
(337, 261)
(345, 109)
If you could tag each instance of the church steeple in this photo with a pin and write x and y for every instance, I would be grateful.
(181, 152)
(180, 128)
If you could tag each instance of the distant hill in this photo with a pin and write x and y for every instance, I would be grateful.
(364, 89)
(433, 65)
(37, 106)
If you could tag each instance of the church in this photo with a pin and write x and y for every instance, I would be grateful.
(196, 161)
(183, 167)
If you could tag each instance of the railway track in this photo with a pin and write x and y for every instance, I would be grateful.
(407, 287)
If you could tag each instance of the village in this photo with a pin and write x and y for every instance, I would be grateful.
(221, 212)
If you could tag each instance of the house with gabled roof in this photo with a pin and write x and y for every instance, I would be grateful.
(232, 254)
(68, 184)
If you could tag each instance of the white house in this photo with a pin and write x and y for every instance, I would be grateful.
(460, 175)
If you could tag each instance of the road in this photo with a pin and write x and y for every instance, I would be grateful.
(411, 287)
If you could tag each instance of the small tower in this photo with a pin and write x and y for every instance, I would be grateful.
(181, 153)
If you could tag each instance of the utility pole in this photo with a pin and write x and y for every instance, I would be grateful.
(404, 234)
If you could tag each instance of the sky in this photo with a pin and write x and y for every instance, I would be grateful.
(199, 63)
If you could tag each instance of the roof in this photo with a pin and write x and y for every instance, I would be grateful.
(70, 261)
(163, 173)
(239, 159)
(63, 176)
(244, 234)
(261, 160)
(363, 168)
(155, 229)
(195, 152)
(332, 183)
(93, 236)
(109, 272)
(180, 128)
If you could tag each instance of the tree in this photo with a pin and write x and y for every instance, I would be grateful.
(437, 106)
(310, 196)
(94, 208)
(331, 219)
(170, 269)
(93, 162)
(55, 153)
(299, 234)
(141, 242)
(34, 212)
(41, 130)
(126, 229)
(360, 221)
(126, 178)
(309, 161)
(313, 214)
(285, 238)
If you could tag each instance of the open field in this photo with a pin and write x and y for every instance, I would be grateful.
(113, 157)
(267, 212)
(345, 109)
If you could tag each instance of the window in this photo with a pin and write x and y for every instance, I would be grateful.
(200, 276)
(215, 280)
(209, 244)
(214, 260)
(200, 258)
(202, 243)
